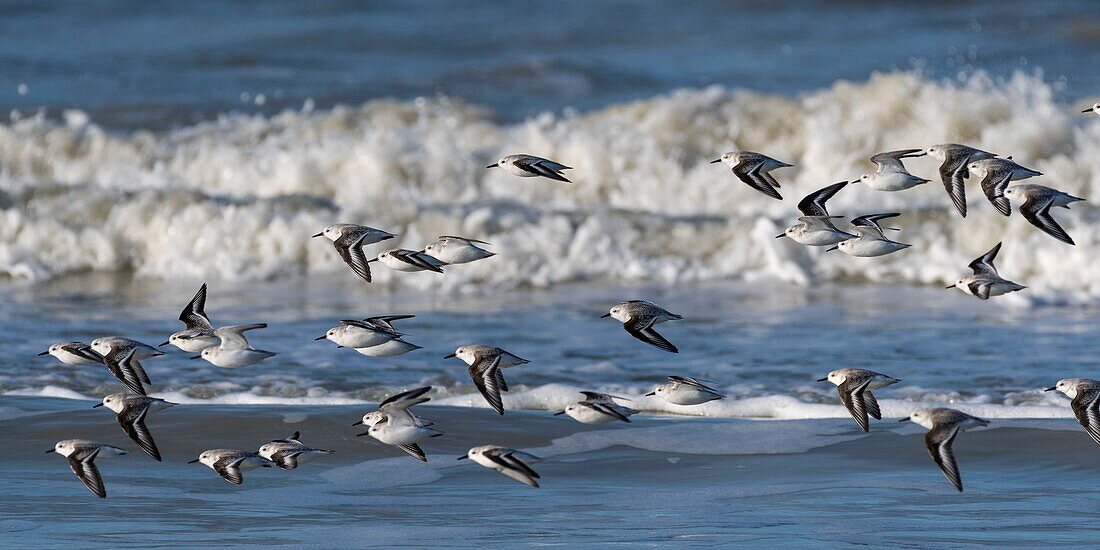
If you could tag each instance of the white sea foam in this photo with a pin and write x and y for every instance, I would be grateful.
(238, 197)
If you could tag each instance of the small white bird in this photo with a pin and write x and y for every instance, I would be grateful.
(509, 462)
(395, 409)
(890, 174)
(530, 166)
(82, 454)
(872, 241)
(409, 261)
(754, 170)
(1094, 109)
(401, 431)
(290, 452)
(234, 350)
(815, 227)
(986, 282)
(485, 364)
(685, 391)
(230, 463)
(131, 411)
(74, 353)
(995, 174)
(117, 346)
(1035, 204)
(854, 386)
(1085, 394)
(361, 334)
(598, 408)
(953, 171)
(198, 333)
(349, 240)
(458, 250)
(638, 318)
(943, 425)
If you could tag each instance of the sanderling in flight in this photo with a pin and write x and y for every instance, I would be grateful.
(131, 411)
(638, 318)
(402, 430)
(815, 227)
(755, 170)
(74, 353)
(1085, 394)
(117, 345)
(370, 332)
(234, 349)
(397, 406)
(128, 370)
(458, 250)
(229, 463)
(1094, 109)
(890, 174)
(349, 240)
(871, 241)
(198, 333)
(995, 174)
(1035, 204)
(506, 461)
(854, 386)
(392, 348)
(943, 425)
(485, 365)
(409, 261)
(953, 171)
(530, 166)
(290, 452)
(598, 408)
(986, 282)
(82, 454)
(685, 391)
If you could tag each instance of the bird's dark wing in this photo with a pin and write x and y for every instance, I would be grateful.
(1085, 409)
(642, 329)
(983, 265)
(193, 315)
(82, 463)
(814, 203)
(350, 247)
(939, 440)
(1038, 213)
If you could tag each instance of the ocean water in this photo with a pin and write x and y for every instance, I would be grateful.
(147, 149)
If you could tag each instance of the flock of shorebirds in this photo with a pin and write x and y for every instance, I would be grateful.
(393, 423)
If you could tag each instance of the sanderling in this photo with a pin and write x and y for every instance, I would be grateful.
(815, 227)
(530, 166)
(409, 261)
(392, 348)
(871, 241)
(1036, 202)
(402, 431)
(954, 171)
(117, 345)
(1085, 394)
(485, 364)
(131, 411)
(199, 333)
(985, 281)
(128, 370)
(943, 425)
(458, 250)
(397, 407)
(349, 240)
(890, 174)
(685, 391)
(359, 334)
(755, 170)
(290, 452)
(229, 463)
(82, 454)
(854, 386)
(598, 408)
(506, 461)
(74, 353)
(638, 318)
(234, 350)
(995, 174)
(1094, 109)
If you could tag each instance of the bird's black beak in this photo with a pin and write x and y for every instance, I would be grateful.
(320, 338)
(318, 235)
(358, 423)
(605, 315)
(715, 161)
(904, 420)
(97, 405)
(826, 379)
(449, 356)
(1051, 389)
(50, 451)
(44, 353)
(388, 237)
(491, 166)
(651, 393)
(362, 434)
(949, 287)
(192, 461)
(559, 413)
(463, 457)
(165, 343)
(832, 249)
(920, 154)
(1087, 111)
(197, 356)
(781, 235)
(372, 260)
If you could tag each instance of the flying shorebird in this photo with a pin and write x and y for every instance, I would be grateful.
(230, 463)
(530, 166)
(349, 240)
(638, 318)
(1036, 202)
(597, 408)
(854, 386)
(397, 407)
(754, 170)
(74, 353)
(871, 241)
(234, 350)
(82, 454)
(485, 366)
(1094, 109)
(409, 261)
(890, 174)
(288, 453)
(198, 333)
(996, 173)
(509, 462)
(457, 250)
(953, 171)
(1085, 394)
(131, 411)
(943, 425)
(815, 227)
(685, 391)
(986, 282)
